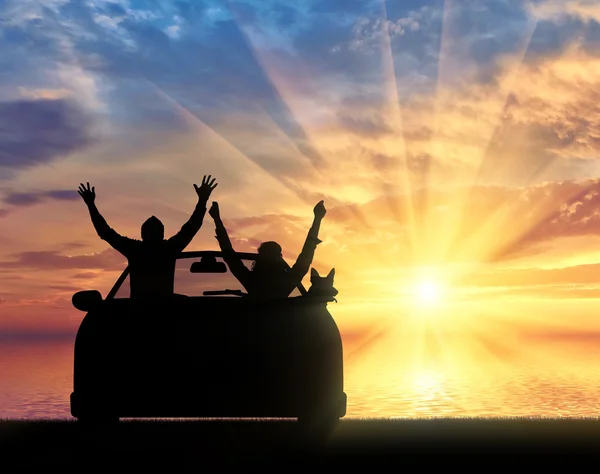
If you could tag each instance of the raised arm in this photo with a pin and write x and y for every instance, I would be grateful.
(105, 232)
(182, 239)
(233, 261)
(304, 260)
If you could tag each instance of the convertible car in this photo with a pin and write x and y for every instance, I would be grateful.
(215, 355)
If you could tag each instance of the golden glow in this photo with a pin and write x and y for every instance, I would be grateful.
(428, 292)
(388, 212)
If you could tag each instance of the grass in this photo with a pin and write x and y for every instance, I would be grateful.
(361, 445)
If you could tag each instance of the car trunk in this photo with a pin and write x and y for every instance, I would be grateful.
(213, 357)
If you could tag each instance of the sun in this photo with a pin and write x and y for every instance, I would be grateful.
(428, 293)
(425, 289)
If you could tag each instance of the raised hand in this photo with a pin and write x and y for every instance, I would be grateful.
(214, 211)
(320, 210)
(206, 188)
(88, 195)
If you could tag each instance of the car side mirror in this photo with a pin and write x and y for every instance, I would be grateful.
(86, 300)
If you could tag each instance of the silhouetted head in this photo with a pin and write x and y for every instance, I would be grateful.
(153, 230)
(269, 257)
(322, 286)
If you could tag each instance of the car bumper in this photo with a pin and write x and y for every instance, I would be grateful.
(187, 409)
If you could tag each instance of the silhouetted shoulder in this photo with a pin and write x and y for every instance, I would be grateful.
(122, 244)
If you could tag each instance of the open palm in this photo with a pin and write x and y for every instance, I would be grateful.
(205, 188)
(88, 194)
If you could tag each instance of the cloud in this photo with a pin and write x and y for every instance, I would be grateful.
(22, 199)
(84, 275)
(46, 94)
(557, 10)
(369, 33)
(19, 199)
(528, 120)
(108, 260)
(494, 223)
(433, 42)
(26, 199)
(553, 110)
(374, 127)
(62, 194)
(34, 132)
(69, 288)
(538, 120)
(248, 90)
(315, 106)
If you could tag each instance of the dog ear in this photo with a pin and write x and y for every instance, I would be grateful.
(331, 274)
(313, 273)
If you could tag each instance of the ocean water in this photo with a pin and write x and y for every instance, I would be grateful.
(36, 380)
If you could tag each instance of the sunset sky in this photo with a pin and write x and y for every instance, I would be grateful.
(455, 144)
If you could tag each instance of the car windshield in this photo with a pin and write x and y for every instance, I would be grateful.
(194, 284)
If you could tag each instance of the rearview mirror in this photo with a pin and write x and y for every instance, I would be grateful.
(208, 265)
(86, 300)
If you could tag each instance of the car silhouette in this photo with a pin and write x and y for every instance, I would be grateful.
(217, 355)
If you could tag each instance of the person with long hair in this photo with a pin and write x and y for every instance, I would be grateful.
(270, 276)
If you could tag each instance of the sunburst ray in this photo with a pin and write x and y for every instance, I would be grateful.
(451, 221)
(397, 148)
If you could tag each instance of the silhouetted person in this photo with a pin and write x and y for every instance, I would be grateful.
(152, 259)
(270, 276)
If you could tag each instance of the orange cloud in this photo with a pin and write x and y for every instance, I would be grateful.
(555, 9)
